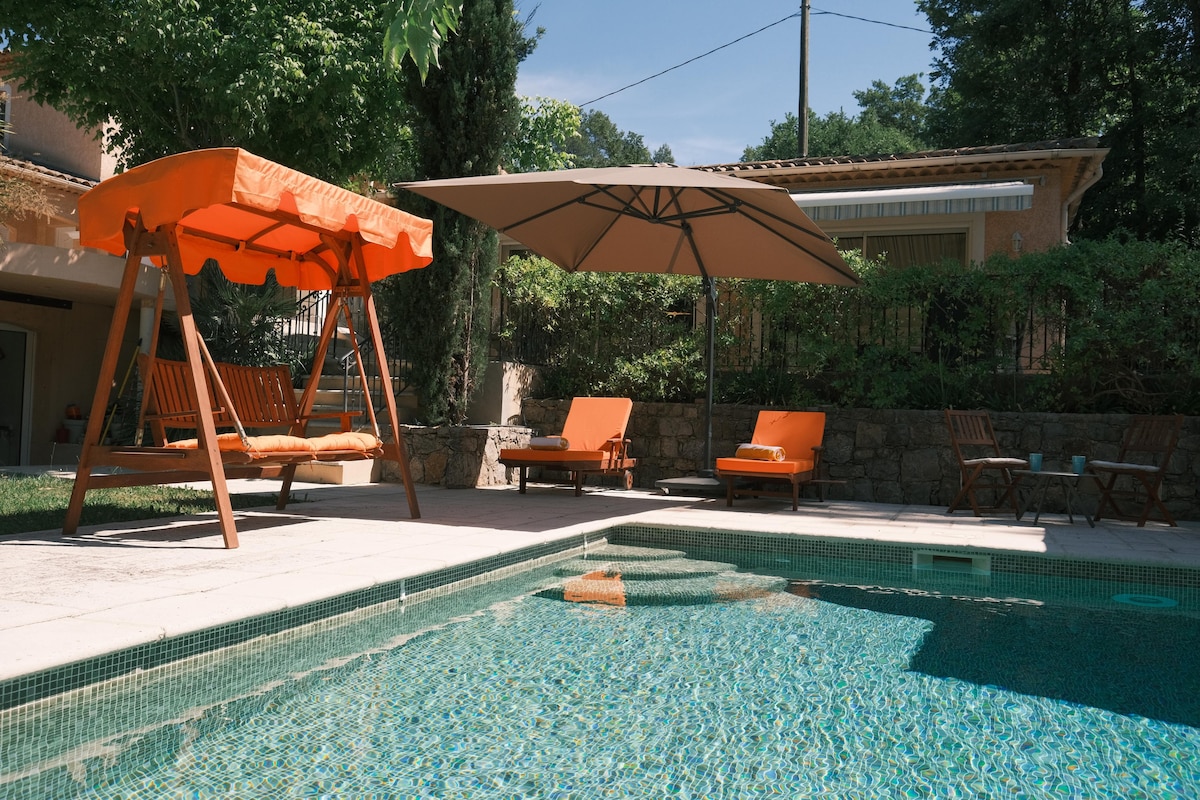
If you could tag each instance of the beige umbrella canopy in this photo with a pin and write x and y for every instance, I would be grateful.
(658, 218)
(650, 219)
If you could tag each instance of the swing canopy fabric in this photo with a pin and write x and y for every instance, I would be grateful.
(253, 215)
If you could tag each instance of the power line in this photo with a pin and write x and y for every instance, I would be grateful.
(742, 39)
(872, 21)
(689, 61)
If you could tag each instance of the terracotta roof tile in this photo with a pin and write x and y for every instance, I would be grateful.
(36, 171)
(818, 161)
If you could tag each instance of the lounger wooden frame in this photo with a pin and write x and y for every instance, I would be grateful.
(595, 432)
(801, 435)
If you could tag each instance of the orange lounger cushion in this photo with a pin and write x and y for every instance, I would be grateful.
(552, 456)
(753, 466)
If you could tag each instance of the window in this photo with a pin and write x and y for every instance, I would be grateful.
(907, 249)
(5, 109)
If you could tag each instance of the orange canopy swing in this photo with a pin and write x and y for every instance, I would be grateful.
(251, 216)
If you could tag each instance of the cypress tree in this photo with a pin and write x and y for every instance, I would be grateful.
(462, 116)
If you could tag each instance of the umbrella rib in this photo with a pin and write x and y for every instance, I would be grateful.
(655, 213)
(820, 236)
(832, 265)
(583, 257)
(633, 207)
(532, 217)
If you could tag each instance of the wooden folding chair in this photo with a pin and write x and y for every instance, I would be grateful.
(1145, 452)
(980, 463)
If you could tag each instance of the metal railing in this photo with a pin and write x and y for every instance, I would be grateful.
(301, 333)
(751, 337)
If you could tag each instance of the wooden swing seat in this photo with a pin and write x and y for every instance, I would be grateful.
(262, 398)
(253, 218)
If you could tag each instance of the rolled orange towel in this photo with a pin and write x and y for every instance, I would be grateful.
(761, 452)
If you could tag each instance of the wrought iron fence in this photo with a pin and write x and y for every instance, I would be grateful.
(751, 337)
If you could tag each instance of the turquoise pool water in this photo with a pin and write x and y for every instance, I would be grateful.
(664, 678)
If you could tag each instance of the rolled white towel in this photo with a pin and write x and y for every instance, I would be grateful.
(549, 443)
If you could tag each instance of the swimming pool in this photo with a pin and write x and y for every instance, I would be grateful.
(789, 676)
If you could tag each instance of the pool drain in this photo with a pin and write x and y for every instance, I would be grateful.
(965, 563)
(1145, 600)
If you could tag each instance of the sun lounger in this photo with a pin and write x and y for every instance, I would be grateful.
(592, 442)
(785, 448)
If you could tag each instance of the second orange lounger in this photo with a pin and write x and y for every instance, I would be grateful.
(592, 441)
(785, 448)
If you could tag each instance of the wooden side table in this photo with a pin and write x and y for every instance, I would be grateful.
(1041, 481)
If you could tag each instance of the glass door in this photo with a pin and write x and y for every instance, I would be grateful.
(15, 386)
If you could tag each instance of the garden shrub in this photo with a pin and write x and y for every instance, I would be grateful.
(1091, 327)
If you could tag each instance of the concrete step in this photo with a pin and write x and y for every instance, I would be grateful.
(341, 473)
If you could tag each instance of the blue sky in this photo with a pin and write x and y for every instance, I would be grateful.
(708, 111)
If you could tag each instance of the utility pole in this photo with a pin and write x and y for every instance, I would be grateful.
(802, 133)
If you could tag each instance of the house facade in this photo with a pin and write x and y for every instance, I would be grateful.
(56, 299)
(964, 203)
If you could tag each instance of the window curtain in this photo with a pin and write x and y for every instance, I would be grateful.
(910, 249)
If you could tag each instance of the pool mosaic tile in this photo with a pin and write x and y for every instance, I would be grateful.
(830, 686)
(29, 688)
(756, 549)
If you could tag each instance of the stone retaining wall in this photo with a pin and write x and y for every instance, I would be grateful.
(457, 456)
(883, 456)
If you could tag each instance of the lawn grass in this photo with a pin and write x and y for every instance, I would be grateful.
(39, 502)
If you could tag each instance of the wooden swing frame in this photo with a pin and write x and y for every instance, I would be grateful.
(347, 271)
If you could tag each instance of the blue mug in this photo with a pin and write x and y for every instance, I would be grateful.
(1035, 462)
(1078, 463)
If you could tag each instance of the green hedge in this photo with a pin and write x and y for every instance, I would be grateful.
(1091, 327)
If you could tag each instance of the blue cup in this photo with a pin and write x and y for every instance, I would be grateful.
(1078, 463)
(1035, 462)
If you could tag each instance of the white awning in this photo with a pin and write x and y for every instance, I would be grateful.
(959, 198)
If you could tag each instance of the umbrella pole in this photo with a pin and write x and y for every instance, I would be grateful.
(710, 308)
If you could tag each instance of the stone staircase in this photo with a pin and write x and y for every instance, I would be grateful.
(338, 391)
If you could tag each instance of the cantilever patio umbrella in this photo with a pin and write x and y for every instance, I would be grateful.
(653, 218)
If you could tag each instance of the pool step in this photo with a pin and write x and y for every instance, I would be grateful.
(639, 576)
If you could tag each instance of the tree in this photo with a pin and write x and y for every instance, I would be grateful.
(304, 84)
(462, 115)
(239, 323)
(835, 134)
(1126, 70)
(1024, 70)
(900, 107)
(546, 128)
(601, 143)
(417, 29)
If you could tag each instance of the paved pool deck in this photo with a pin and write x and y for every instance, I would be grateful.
(64, 599)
